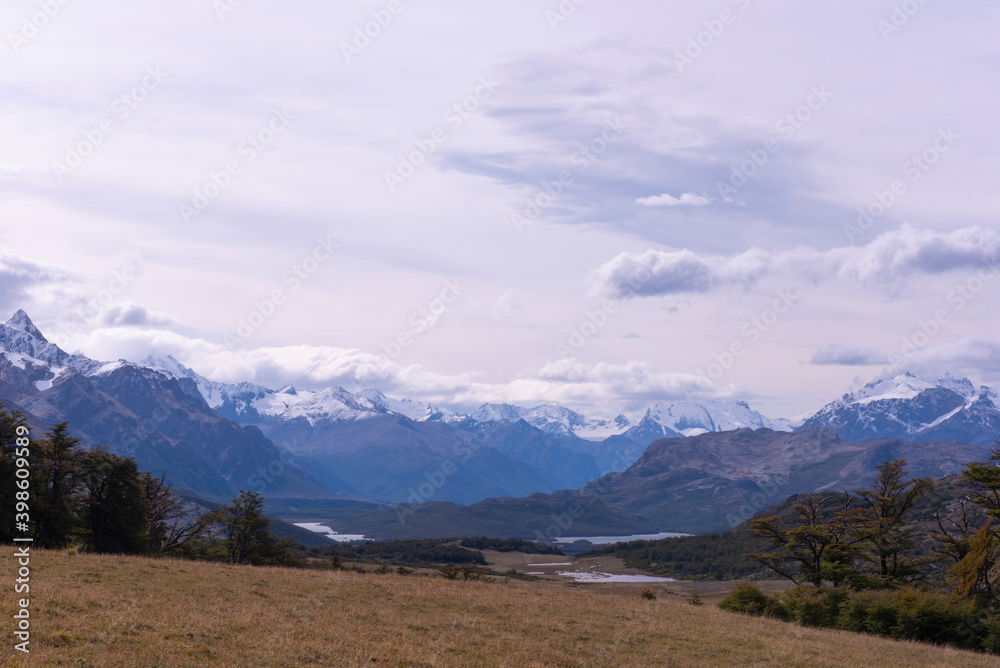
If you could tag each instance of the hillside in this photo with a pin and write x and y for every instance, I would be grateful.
(203, 614)
(697, 484)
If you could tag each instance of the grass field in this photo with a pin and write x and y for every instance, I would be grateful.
(92, 610)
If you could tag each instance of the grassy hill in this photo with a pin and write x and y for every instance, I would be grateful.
(92, 610)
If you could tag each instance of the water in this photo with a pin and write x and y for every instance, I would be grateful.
(330, 533)
(596, 576)
(608, 540)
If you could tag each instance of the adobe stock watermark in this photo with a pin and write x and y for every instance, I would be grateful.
(914, 169)
(247, 151)
(121, 109)
(435, 480)
(580, 503)
(714, 28)
(32, 26)
(900, 16)
(266, 475)
(956, 300)
(580, 334)
(22, 523)
(751, 332)
(581, 161)
(757, 502)
(223, 8)
(786, 126)
(365, 35)
(123, 275)
(425, 318)
(562, 13)
(294, 277)
(454, 117)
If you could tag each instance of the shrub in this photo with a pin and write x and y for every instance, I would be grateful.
(814, 606)
(648, 594)
(989, 639)
(749, 599)
(912, 614)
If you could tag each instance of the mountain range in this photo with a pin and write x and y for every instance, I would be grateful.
(678, 465)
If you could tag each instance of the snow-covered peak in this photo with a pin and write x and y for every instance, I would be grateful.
(20, 322)
(168, 365)
(692, 417)
(960, 386)
(405, 407)
(19, 335)
(330, 404)
(907, 386)
(498, 413)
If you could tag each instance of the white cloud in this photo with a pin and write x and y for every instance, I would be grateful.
(973, 357)
(671, 272)
(687, 199)
(886, 263)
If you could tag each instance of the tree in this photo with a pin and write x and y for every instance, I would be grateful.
(986, 477)
(882, 529)
(818, 550)
(972, 573)
(167, 528)
(957, 526)
(246, 532)
(58, 474)
(115, 503)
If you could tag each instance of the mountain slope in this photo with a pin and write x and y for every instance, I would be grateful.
(909, 407)
(141, 413)
(697, 484)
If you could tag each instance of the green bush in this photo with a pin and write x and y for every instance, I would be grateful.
(913, 614)
(749, 599)
(989, 635)
(814, 606)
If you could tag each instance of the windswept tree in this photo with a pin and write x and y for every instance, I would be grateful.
(818, 549)
(246, 532)
(885, 530)
(975, 573)
(168, 527)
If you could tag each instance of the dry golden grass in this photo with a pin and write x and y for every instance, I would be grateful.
(117, 611)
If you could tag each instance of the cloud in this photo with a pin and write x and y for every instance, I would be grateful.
(20, 276)
(131, 314)
(592, 388)
(886, 263)
(687, 199)
(672, 272)
(509, 306)
(974, 357)
(848, 355)
(910, 251)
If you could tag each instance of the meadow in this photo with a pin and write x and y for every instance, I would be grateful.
(100, 610)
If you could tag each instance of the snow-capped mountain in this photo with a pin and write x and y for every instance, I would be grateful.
(691, 418)
(138, 412)
(906, 406)
(551, 419)
(249, 403)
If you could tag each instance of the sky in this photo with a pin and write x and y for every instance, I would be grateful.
(595, 204)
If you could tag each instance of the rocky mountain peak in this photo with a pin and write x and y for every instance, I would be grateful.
(20, 322)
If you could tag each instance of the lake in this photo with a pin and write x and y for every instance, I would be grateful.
(608, 540)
